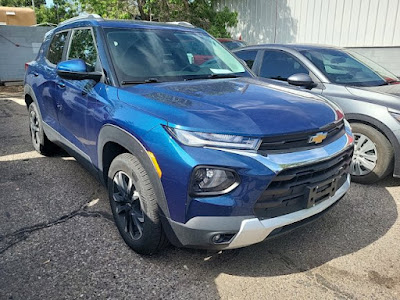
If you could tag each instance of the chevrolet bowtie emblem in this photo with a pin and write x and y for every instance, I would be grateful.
(318, 138)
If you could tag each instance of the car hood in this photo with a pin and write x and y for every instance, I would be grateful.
(387, 95)
(393, 89)
(238, 106)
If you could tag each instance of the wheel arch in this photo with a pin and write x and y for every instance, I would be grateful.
(113, 141)
(30, 97)
(381, 127)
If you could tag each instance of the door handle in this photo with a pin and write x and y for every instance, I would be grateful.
(61, 84)
(36, 74)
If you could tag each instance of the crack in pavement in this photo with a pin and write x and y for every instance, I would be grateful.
(315, 276)
(23, 233)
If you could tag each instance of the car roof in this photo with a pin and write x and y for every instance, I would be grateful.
(297, 47)
(228, 40)
(99, 22)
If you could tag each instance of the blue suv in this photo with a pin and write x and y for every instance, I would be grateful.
(193, 148)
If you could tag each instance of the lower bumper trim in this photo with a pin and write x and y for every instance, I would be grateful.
(253, 230)
(247, 230)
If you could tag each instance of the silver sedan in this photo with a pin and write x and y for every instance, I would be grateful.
(368, 94)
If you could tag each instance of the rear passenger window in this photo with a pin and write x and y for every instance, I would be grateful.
(56, 48)
(248, 56)
(83, 47)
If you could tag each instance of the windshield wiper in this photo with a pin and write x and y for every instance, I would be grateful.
(228, 75)
(149, 80)
(213, 76)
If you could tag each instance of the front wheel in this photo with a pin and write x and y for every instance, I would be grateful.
(373, 155)
(134, 205)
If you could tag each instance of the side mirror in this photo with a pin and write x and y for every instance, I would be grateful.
(301, 79)
(76, 69)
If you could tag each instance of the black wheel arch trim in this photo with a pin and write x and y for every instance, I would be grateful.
(386, 131)
(114, 134)
(29, 91)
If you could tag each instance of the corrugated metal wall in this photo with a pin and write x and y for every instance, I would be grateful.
(18, 45)
(347, 23)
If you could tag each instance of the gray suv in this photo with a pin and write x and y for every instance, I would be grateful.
(368, 94)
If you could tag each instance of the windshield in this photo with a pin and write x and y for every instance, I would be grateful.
(343, 68)
(149, 55)
(385, 74)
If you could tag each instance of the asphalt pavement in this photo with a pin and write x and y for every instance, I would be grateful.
(58, 240)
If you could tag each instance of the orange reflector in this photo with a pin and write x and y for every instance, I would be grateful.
(155, 163)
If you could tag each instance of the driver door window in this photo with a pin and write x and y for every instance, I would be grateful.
(280, 65)
(83, 47)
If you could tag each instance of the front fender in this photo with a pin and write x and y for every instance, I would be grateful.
(115, 134)
(393, 139)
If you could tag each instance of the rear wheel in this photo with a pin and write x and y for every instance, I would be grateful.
(39, 139)
(373, 155)
(134, 205)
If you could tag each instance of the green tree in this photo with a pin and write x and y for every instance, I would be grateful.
(60, 10)
(111, 9)
(21, 3)
(200, 13)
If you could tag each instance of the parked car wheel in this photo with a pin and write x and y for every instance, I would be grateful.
(134, 205)
(39, 139)
(373, 155)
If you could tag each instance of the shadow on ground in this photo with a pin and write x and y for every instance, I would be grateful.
(55, 245)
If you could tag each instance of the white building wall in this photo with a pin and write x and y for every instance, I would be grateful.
(347, 23)
(368, 25)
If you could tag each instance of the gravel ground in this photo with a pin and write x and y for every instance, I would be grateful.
(58, 240)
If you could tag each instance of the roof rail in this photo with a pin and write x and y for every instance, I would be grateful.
(182, 23)
(81, 17)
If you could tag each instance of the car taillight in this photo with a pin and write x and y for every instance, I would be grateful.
(26, 66)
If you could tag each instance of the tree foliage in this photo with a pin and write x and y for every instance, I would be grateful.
(60, 10)
(200, 13)
(21, 3)
(110, 9)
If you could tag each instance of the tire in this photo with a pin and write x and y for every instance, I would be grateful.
(39, 139)
(374, 164)
(135, 209)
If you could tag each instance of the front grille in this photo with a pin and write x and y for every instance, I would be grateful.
(290, 190)
(300, 140)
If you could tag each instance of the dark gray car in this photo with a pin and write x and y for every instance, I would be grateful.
(368, 94)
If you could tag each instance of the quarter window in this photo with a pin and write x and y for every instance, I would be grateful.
(56, 48)
(83, 47)
(248, 56)
(280, 65)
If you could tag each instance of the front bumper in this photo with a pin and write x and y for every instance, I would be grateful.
(245, 230)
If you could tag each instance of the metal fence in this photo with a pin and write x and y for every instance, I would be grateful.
(18, 45)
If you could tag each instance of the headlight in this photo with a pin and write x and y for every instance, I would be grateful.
(395, 115)
(211, 181)
(202, 139)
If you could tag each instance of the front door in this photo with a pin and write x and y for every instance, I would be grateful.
(76, 96)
